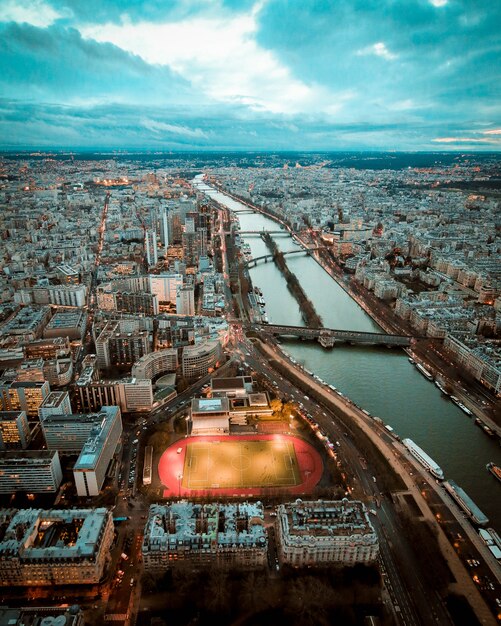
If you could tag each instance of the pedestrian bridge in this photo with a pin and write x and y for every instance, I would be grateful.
(327, 337)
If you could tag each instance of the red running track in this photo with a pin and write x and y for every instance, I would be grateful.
(171, 465)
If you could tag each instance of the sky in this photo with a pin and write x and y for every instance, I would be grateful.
(251, 74)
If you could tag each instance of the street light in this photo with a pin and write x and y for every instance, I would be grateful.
(179, 478)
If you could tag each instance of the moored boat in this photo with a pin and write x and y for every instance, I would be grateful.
(494, 469)
(424, 371)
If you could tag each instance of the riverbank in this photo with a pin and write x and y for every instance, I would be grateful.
(396, 456)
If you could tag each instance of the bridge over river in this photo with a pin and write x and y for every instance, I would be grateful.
(327, 337)
(269, 257)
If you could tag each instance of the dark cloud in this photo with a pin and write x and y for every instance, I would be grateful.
(57, 63)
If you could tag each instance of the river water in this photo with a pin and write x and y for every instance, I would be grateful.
(380, 380)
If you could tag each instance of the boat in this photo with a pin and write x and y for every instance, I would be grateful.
(488, 431)
(466, 503)
(494, 469)
(462, 406)
(424, 371)
(442, 388)
(411, 360)
(425, 460)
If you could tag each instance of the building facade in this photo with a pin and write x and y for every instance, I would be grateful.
(200, 359)
(89, 471)
(155, 363)
(325, 533)
(15, 432)
(220, 535)
(56, 547)
(32, 471)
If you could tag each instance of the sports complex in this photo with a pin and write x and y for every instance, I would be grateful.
(248, 465)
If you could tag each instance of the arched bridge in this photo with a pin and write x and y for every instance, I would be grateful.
(327, 337)
(269, 257)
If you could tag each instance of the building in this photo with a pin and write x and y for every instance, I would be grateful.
(71, 324)
(64, 295)
(28, 323)
(165, 286)
(150, 246)
(210, 416)
(68, 433)
(32, 471)
(58, 347)
(325, 533)
(42, 616)
(14, 430)
(130, 394)
(185, 300)
(142, 303)
(56, 403)
(220, 535)
(67, 275)
(56, 547)
(30, 370)
(191, 248)
(115, 348)
(238, 386)
(23, 396)
(200, 359)
(151, 365)
(164, 229)
(89, 471)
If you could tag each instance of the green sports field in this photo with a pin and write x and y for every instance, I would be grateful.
(234, 464)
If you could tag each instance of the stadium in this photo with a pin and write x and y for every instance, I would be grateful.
(250, 465)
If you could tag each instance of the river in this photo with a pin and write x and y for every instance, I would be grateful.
(380, 380)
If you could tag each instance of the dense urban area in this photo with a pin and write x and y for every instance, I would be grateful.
(177, 440)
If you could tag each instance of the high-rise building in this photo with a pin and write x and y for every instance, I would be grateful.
(90, 469)
(56, 547)
(164, 229)
(114, 348)
(14, 430)
(30, 370)
(68, 433)
(32, 471)
(185, 300)
(150, 245)
(23, 396)
(191, 248)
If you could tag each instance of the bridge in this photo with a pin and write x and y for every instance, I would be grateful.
(260, 232)
(269, 257)
(327, 337)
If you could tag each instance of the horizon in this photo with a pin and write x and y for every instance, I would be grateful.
(247, 75)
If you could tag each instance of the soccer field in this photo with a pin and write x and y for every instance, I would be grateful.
(233, 464)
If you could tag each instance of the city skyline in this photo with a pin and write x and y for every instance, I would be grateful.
(269, 74)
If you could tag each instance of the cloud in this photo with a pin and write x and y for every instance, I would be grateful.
(219, 56)
(378, 49)
(34, 12)
(274, 74)
(162, 127)
(465, 140)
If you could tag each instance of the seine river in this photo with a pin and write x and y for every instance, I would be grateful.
(380, 380)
